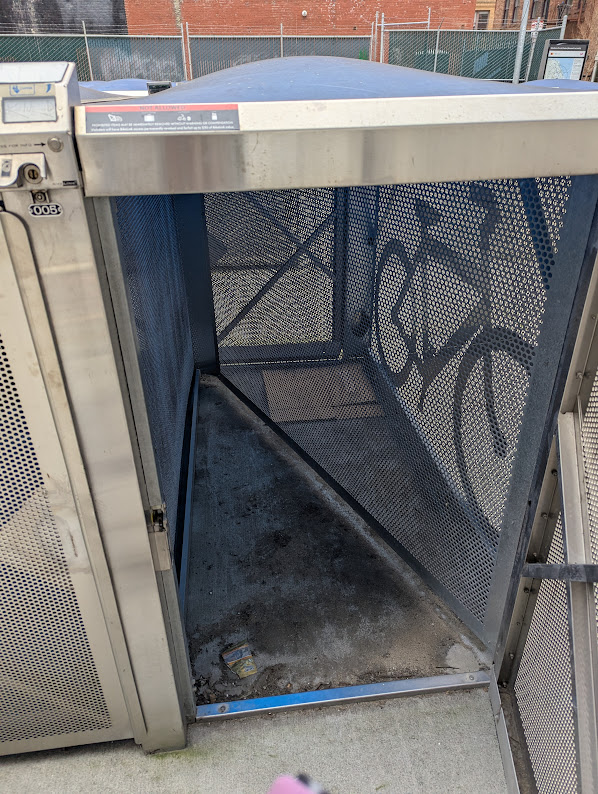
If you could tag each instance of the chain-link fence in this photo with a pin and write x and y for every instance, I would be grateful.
(147, 57)
(487, 55)
(482, 54)
(212, 53)
(16, 47)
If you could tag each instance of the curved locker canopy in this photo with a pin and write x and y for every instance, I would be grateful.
(332, 122)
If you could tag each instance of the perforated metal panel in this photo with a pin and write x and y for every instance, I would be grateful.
(394, 334)
(276, 250)
(49, 684)
(544, 686)
(152, 268)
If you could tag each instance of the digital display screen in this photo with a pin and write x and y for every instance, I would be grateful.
(25, 109)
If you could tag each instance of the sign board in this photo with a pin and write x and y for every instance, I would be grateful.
(563, 59)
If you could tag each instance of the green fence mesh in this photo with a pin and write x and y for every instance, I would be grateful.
(484, 54)
(481, 54)
(14, 48)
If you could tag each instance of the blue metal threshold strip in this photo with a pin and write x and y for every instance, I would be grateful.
(347, 694)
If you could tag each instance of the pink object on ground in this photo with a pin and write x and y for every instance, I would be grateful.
(288, 785)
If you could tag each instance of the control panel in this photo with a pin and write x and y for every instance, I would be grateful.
(37, 150)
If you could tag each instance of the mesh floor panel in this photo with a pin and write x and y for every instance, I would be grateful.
(152, 269)
(49, 684)
(428, 301)
(544, 688)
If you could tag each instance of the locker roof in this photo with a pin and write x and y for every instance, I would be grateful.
(325, 77)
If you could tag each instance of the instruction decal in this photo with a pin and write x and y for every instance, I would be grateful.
(161, 118)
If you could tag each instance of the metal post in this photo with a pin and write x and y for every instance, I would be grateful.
(87, 50)
(382, 39)
(564, 25)
(375, 37)
(281, 43)
(371, 42)
(521, 41)
(183, 48)
(429, 16)
(436, 49)
(189, 52)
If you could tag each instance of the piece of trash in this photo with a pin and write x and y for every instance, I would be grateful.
(239, 659)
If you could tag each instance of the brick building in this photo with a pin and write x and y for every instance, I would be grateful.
(507, 13)
(582, 20)
(582, 23)
(324, 17)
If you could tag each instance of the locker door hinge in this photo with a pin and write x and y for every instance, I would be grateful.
(159, 539)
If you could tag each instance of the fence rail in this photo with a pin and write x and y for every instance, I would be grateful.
(488, 54)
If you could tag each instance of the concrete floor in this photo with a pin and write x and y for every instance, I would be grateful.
(279, 560)
(436, 744)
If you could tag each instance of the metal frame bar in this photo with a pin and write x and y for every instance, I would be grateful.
(191, 227)
(582, 615)
(183, 51)
(116, 295)
(124, 36)
(276, 36)
(184, 566)
(189, 52)
(351, 694)
(115, 305)
(572, 572)
(502, 734)
(287, 144)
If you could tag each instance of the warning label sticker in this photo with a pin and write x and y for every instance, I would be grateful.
(161, 118)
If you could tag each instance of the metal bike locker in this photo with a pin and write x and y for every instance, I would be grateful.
(389, 266)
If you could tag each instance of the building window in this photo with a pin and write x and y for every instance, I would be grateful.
(515, 10)
(538, 8)
(505, 14)
(481, 19)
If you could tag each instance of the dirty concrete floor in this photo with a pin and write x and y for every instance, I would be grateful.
(436, 744)
(278, 559)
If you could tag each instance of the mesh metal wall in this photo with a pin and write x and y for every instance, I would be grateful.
(392, 333)
(151, 263)
(49, 684)
(544, 686)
